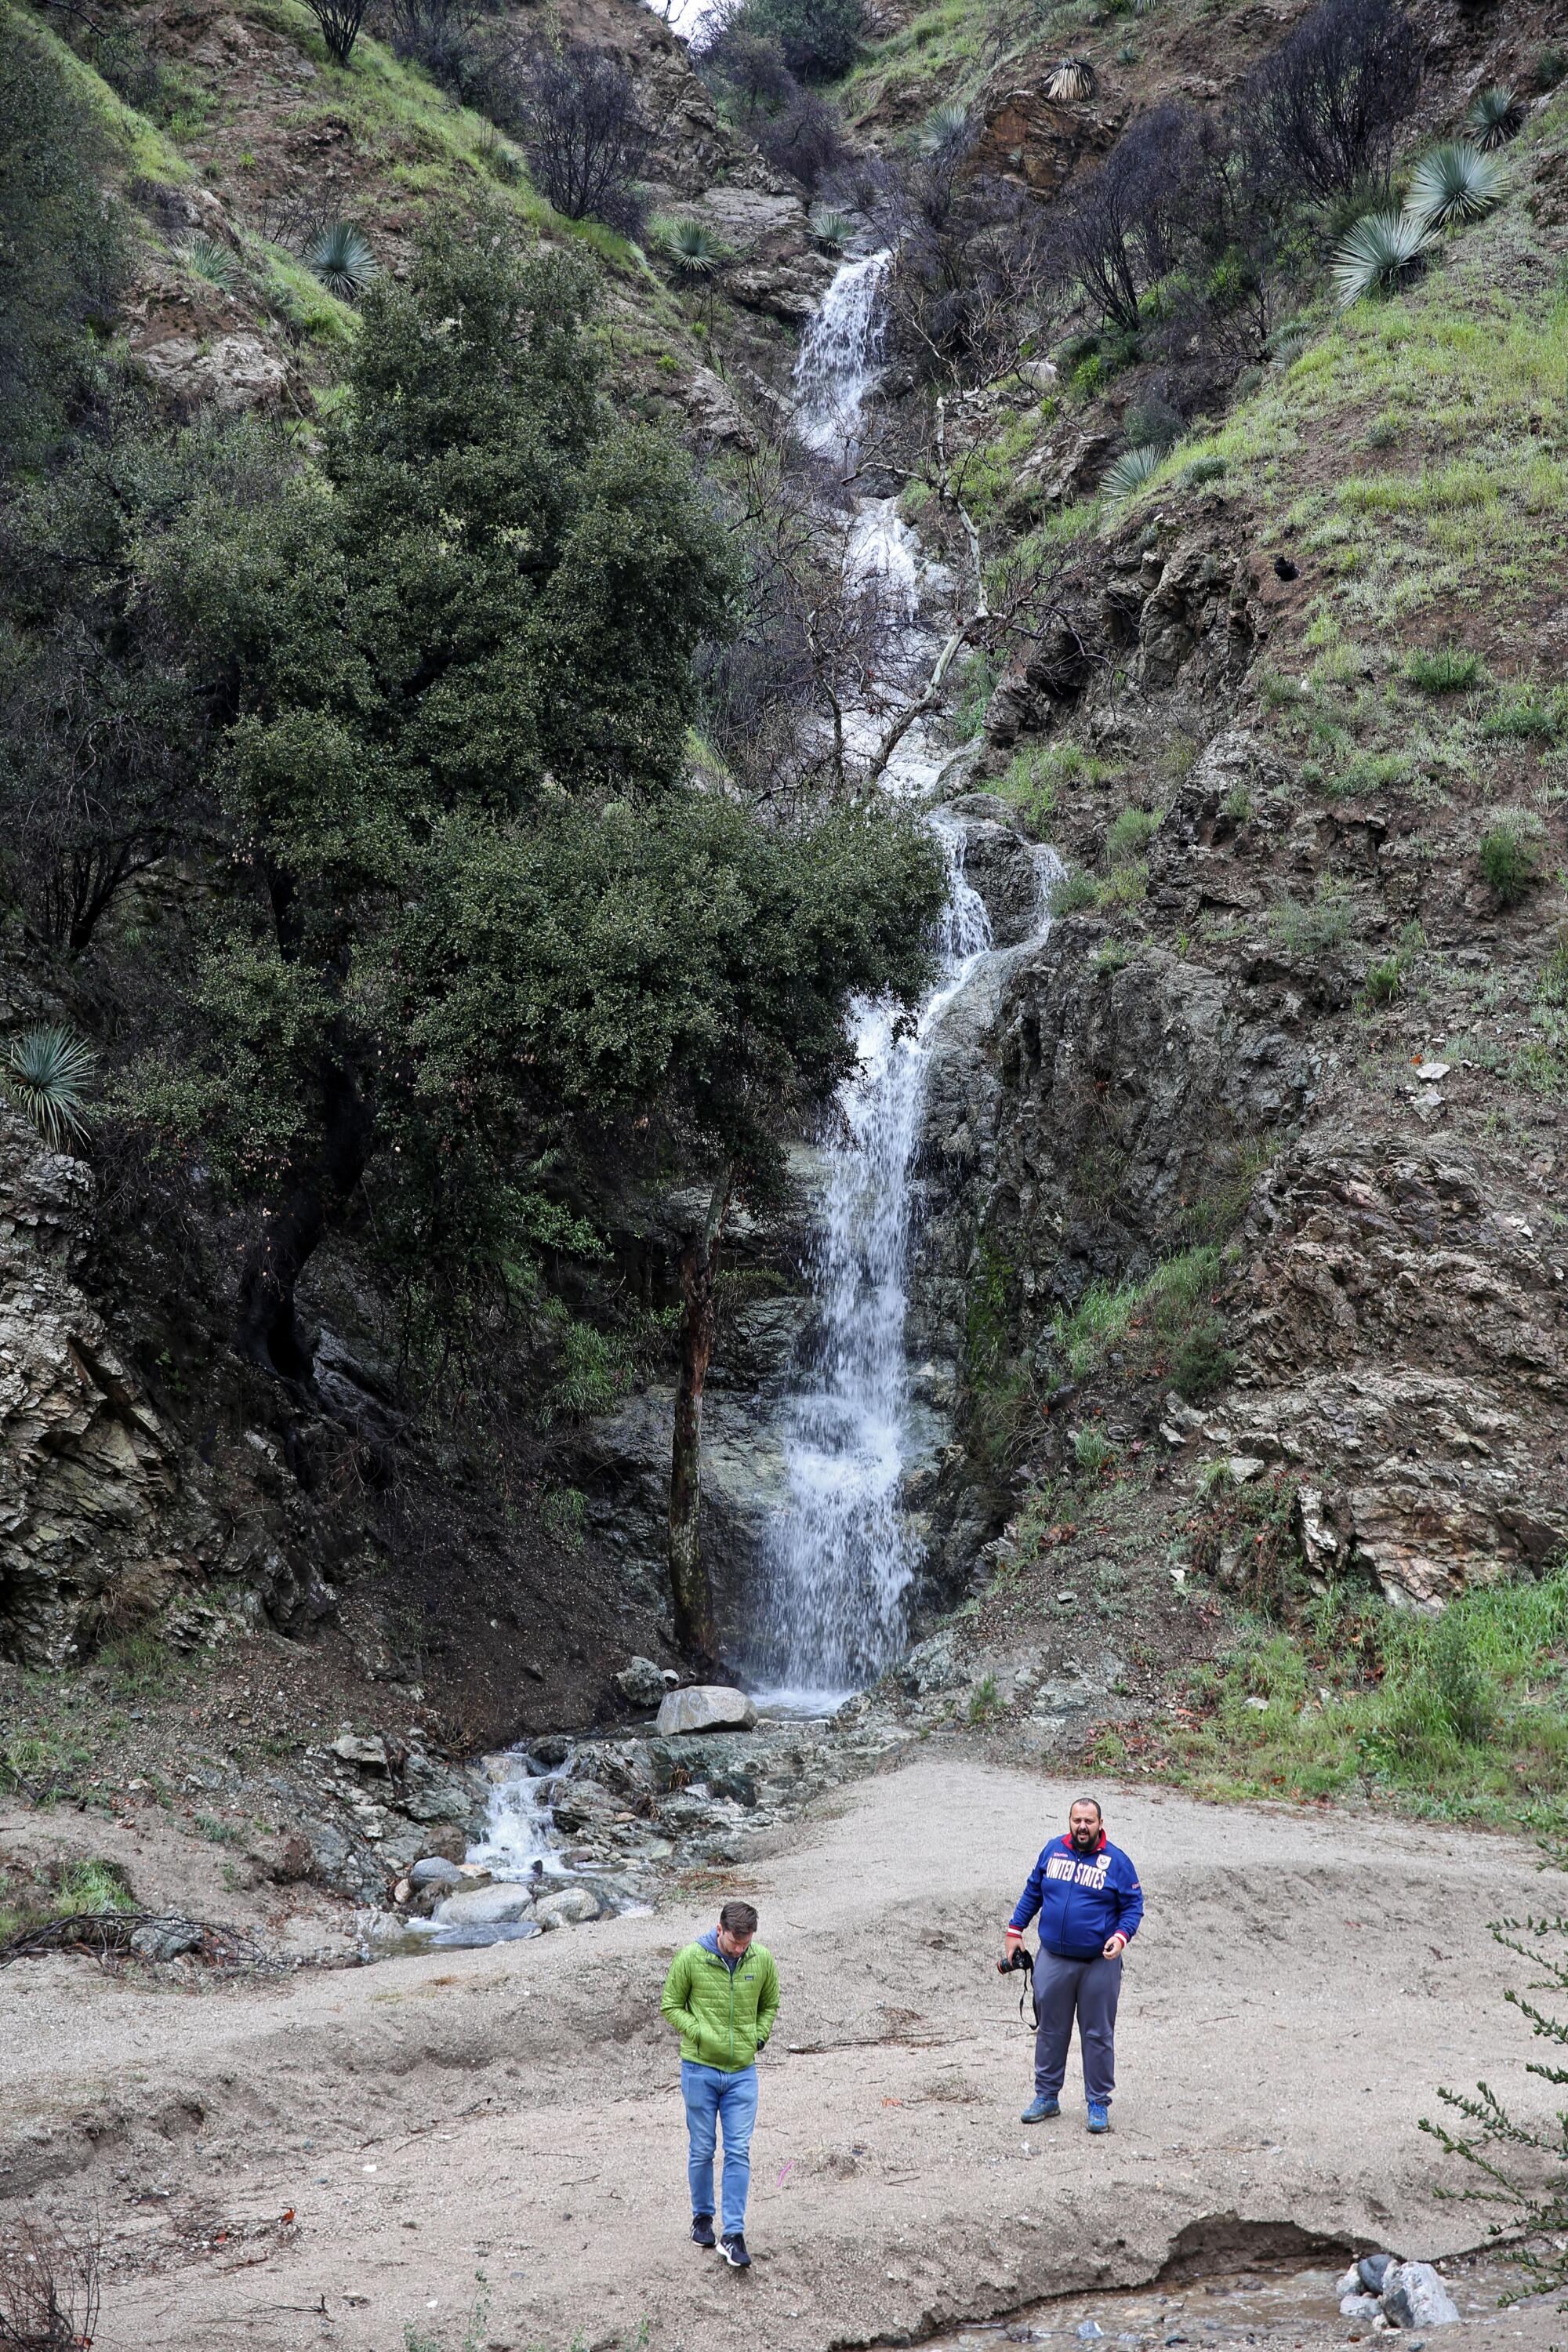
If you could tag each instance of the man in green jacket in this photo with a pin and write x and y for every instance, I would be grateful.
(722, 1996)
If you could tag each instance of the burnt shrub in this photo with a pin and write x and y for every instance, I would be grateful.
(585, 140)
(1324, 108)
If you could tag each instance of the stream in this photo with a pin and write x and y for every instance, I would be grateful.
(842, 1551)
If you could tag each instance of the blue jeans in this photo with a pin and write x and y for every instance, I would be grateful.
(713, 2098)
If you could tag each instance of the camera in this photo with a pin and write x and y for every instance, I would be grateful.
(1018, 1957)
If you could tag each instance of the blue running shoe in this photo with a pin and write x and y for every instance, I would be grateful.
(1040, 2110)
(1099, 2115)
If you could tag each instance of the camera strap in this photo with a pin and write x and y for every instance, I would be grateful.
(1026, 1992)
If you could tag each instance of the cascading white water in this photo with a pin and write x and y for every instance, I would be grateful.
(519, 1838)
(841, 358)
(842, 1556)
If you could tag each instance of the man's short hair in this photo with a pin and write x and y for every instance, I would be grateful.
(738, 1919)
(1099, 1810)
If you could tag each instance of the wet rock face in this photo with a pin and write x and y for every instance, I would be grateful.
(1405, 1333)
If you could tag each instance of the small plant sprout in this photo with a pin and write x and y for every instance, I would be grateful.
(339, 255)
(1378, 256)
(1092, 1451)
(46, 1073)
(1453, 183)
(1494, 117)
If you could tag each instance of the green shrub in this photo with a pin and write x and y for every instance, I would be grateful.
(1319, 928)
(1553, 986)
(1529, 718)
(1124, 885)
(1550, 67)
(1202, 470)
(1378, 256)
(1071, 892)
(1446, 669)
(1129, 836)
(1508, 854)
(1092, 1451)
(1029, 785)
(1454, 184)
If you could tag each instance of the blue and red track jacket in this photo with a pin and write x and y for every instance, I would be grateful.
(1083, 1899)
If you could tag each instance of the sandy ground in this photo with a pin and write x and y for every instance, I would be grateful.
(1302, 1985)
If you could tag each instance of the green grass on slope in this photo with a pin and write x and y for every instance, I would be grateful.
(1416, 449)
(1460, 1717)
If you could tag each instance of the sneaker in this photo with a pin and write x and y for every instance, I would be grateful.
(734, 2252)
(702, 2228)
(1040, 2109)
(1099, 2115)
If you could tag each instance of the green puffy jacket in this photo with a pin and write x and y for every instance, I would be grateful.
(722, 2015)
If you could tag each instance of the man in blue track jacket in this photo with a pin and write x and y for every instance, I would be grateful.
(1089, 1902)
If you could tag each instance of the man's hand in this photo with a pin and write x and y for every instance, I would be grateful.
(1117, 1945)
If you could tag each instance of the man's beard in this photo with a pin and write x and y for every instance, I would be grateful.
(1085, 1839)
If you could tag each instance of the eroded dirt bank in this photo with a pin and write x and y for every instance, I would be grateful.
(1303, 1984)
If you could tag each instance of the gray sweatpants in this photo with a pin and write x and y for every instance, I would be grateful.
(1087, 1989)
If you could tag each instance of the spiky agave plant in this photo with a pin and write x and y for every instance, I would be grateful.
(832, 227)
(45, 1072)
(205, 257)
(339, 254)
(1379, 254)
(1073, 80)
(1494, 117)
(691, 249)
(1452, 183)
(1130, 472)
(944, 127)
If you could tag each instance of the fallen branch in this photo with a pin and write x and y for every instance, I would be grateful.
(109, 1935)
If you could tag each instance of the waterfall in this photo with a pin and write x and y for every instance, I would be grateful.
(842, 1555)
(841, 358)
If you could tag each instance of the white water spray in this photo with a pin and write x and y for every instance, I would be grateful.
(841, 358)
(842, 1553)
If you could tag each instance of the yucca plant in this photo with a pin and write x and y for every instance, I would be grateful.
(339, 255)
(205, 257)
(1494, 117)
(1452, 183)
(1130, 471)
(46, 1073)
(830, 228)
(1071, 81)
(691, 249)
(944, 127)
(1380, 253)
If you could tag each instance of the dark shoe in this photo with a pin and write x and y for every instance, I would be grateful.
(1099, 2115)
(1040, 2109)
(702, 2228)
(734, 2252)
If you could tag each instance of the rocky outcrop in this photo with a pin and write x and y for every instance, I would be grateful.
(1405, 1331)
(93, 1522)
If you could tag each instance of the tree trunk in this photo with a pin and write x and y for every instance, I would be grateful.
(694, 1628)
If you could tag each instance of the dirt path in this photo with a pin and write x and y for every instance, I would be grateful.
(1302, 1985)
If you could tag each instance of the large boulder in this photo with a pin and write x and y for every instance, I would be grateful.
(1414, 2297)
(706, 1706)
(487, 1906)
(641, 1683)
(566, 1907)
